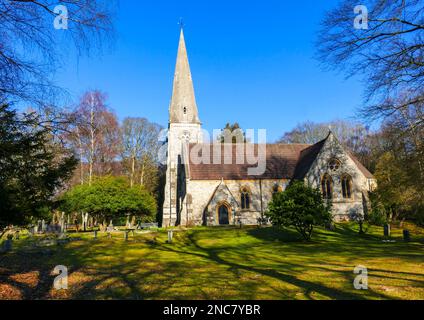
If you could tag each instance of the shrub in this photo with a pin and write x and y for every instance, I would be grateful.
(377, 217)
(110, 198)
(301, 207)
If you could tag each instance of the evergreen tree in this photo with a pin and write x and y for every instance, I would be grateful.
(32, 167)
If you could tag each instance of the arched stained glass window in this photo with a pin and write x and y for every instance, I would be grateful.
(327, 187)
(346, 186)
(245, 198)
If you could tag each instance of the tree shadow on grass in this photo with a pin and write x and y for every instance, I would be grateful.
(31, 265)
(282, 274)
(193, 267)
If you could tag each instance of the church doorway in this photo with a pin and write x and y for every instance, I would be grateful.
(223, 214)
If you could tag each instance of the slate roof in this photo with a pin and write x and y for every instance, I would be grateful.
(306, 158)
(283, 161)
(361, 167)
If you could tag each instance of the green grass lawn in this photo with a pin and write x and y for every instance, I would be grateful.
(220, 263)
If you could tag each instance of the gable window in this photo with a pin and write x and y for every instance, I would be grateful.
(346, 186)
(334, 164)
(245, 198)
(327, 187)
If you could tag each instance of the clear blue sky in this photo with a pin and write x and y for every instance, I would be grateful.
(251, 61)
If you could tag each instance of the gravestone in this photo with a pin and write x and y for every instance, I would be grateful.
(406, 235)
(126, 235)
(85, 221)
(47, 242)
(387, 230)
(62, 223)
(95, 235)
(170, 235)
(43, 226)
(7, 245)
(62, 235)
(39, 226)
(109, 231)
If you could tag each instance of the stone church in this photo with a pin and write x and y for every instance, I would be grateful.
(223, 192)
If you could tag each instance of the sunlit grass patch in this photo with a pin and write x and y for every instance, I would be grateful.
(220, 263)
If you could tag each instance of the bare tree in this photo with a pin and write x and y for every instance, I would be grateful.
(140, 151)
(133, 131)
(349, 133)
(95, 134)
(29, 43)
(388, 53)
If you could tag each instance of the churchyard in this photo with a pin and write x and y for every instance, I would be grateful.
(215, 263)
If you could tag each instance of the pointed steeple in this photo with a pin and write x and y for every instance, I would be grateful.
(183, 108)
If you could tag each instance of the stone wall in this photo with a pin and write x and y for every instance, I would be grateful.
(179, 134)
(343, 208)
(201, 198)
(207, 195)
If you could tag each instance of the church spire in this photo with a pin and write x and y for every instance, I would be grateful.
(183, 106)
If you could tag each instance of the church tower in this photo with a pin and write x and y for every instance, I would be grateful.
(184, 127)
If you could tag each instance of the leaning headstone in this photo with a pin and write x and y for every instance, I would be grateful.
(387, 230)
(406, 235)
(62, 235)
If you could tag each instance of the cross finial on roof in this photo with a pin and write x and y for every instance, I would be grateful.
(181, 23)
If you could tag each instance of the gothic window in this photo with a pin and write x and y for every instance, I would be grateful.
(334, 164)
(245, 198)
(346, 186)
(327, 187)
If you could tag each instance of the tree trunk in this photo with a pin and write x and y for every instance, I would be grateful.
(80, 156)
(92, 141)
(142, 173)
(132, 170)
